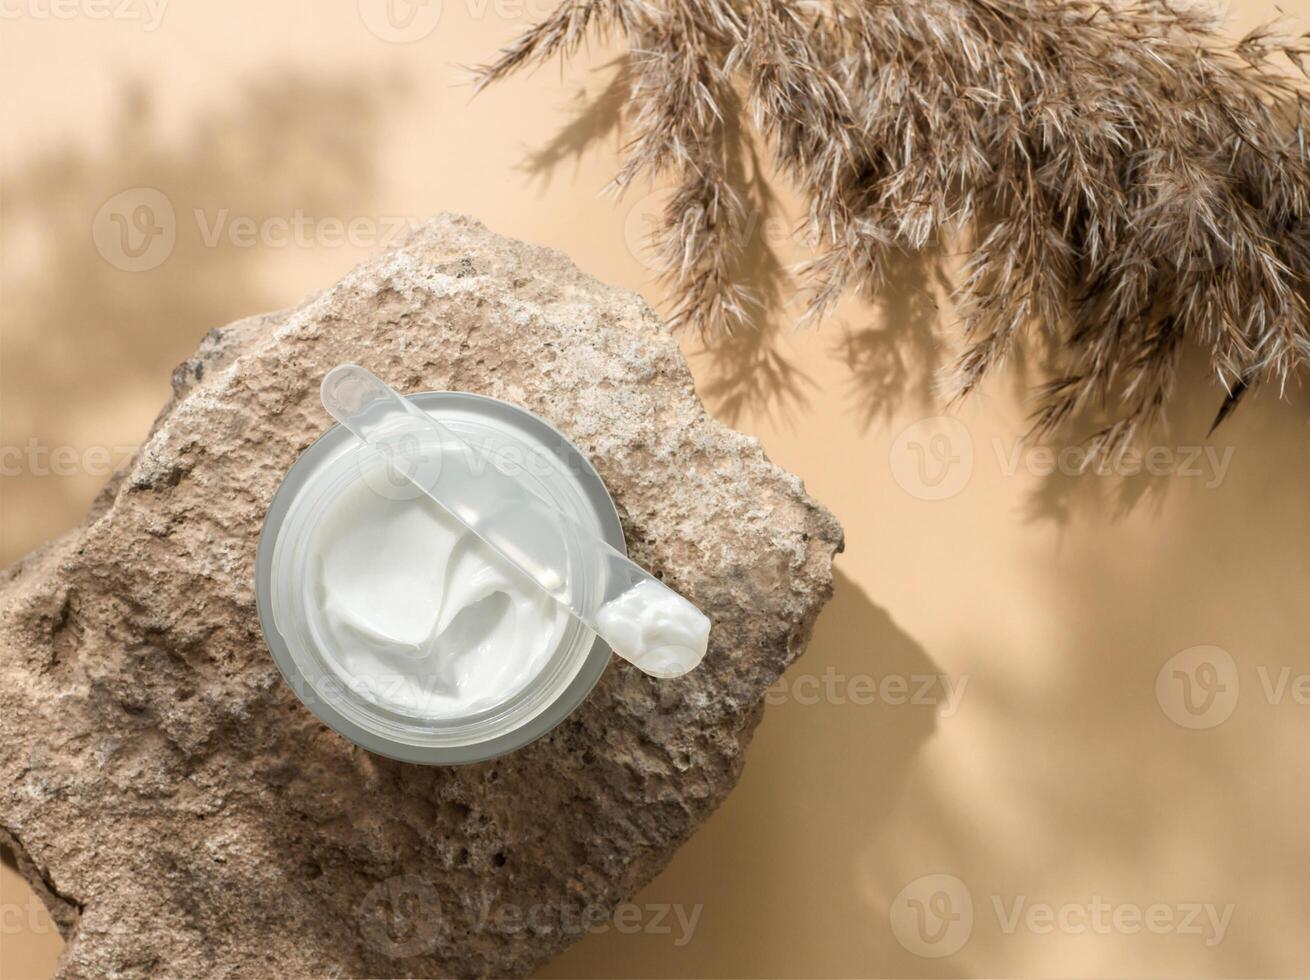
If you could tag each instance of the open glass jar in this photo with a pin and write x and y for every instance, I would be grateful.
(315, 660)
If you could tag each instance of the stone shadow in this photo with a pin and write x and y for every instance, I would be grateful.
(829, 764)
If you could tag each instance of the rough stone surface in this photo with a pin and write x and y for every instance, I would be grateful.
(180, 811)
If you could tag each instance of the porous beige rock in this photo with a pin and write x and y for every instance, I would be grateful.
(184, 815)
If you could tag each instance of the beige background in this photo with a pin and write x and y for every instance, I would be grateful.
(1057, 780)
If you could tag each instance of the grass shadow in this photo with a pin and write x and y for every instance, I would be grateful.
(118, 259)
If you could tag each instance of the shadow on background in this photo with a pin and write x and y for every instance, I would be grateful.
(775, 869)
(894, 360)
(593, 119)
(751, 375)
(75, 320)
(1184, 450)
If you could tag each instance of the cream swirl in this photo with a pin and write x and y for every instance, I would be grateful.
(416, 613)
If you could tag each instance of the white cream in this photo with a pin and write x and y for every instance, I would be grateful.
(655, 628)
(416, 613)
